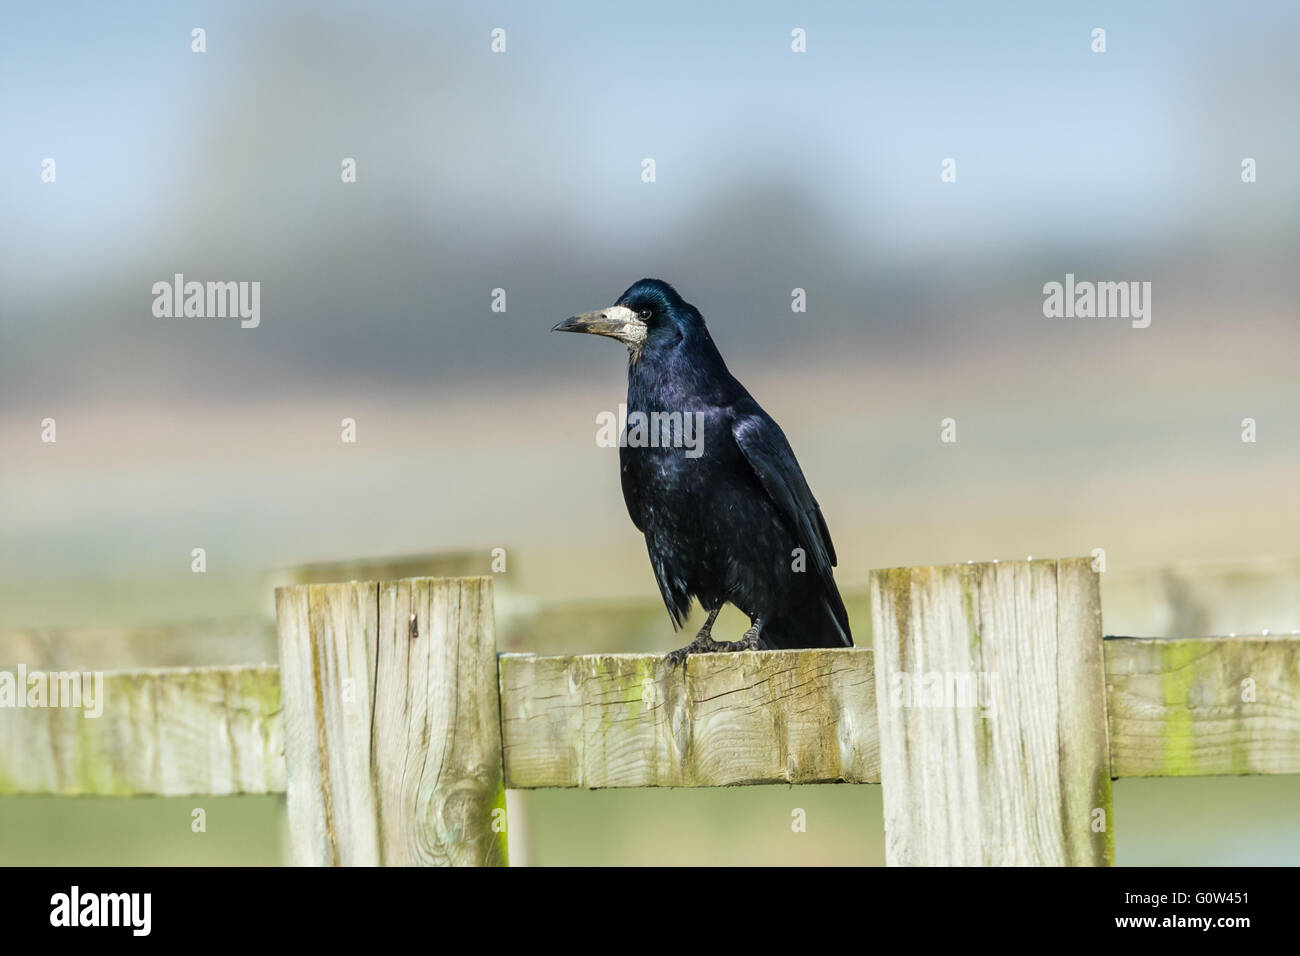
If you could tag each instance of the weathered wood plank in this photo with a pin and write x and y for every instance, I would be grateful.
(991, 707)
(392, 729)
(1082, 724)
(1175, 710)
(327, 652)
(213, 730)
(1224, 705)
(627, 720)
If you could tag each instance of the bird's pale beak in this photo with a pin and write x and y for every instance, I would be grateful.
(618, 322)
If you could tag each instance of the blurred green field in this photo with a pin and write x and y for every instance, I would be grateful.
(1220, 821)
(141, 831)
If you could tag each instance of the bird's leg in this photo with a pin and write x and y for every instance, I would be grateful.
(749, 642)
(705, 644)
(702, 644)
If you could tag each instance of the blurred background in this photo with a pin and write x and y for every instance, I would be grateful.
(522, 171)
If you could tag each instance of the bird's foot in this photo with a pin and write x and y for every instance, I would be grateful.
(705, 644)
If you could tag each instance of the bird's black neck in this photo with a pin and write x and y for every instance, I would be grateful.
(682, 374)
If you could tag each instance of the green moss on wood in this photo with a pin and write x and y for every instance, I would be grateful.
(1178, 667)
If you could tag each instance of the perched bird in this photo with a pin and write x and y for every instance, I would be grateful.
(726, 512)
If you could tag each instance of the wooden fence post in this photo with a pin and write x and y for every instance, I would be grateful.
(991, 697)
(392, 723)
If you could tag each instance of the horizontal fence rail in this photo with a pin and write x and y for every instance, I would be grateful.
(628, 720)
(168, 732)
(1203, 706)
(1175, 710)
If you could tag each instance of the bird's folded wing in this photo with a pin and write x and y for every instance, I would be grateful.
(764, 445)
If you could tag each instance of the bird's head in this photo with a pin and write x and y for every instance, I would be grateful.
(648, 316)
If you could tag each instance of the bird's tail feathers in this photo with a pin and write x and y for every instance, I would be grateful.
(828, 627)
(835, 625)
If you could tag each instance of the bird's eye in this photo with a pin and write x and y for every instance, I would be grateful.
(644, 313)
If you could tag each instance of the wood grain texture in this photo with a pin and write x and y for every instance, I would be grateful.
(990, 688)
(392, 733)
(1176, 708)
(212, 730)
(1223, 705)
(627, 720)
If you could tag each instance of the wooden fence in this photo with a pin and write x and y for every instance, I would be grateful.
(990, 709)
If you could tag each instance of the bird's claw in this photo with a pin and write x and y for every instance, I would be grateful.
(673, 658)
(702, 644)
(705, 644)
